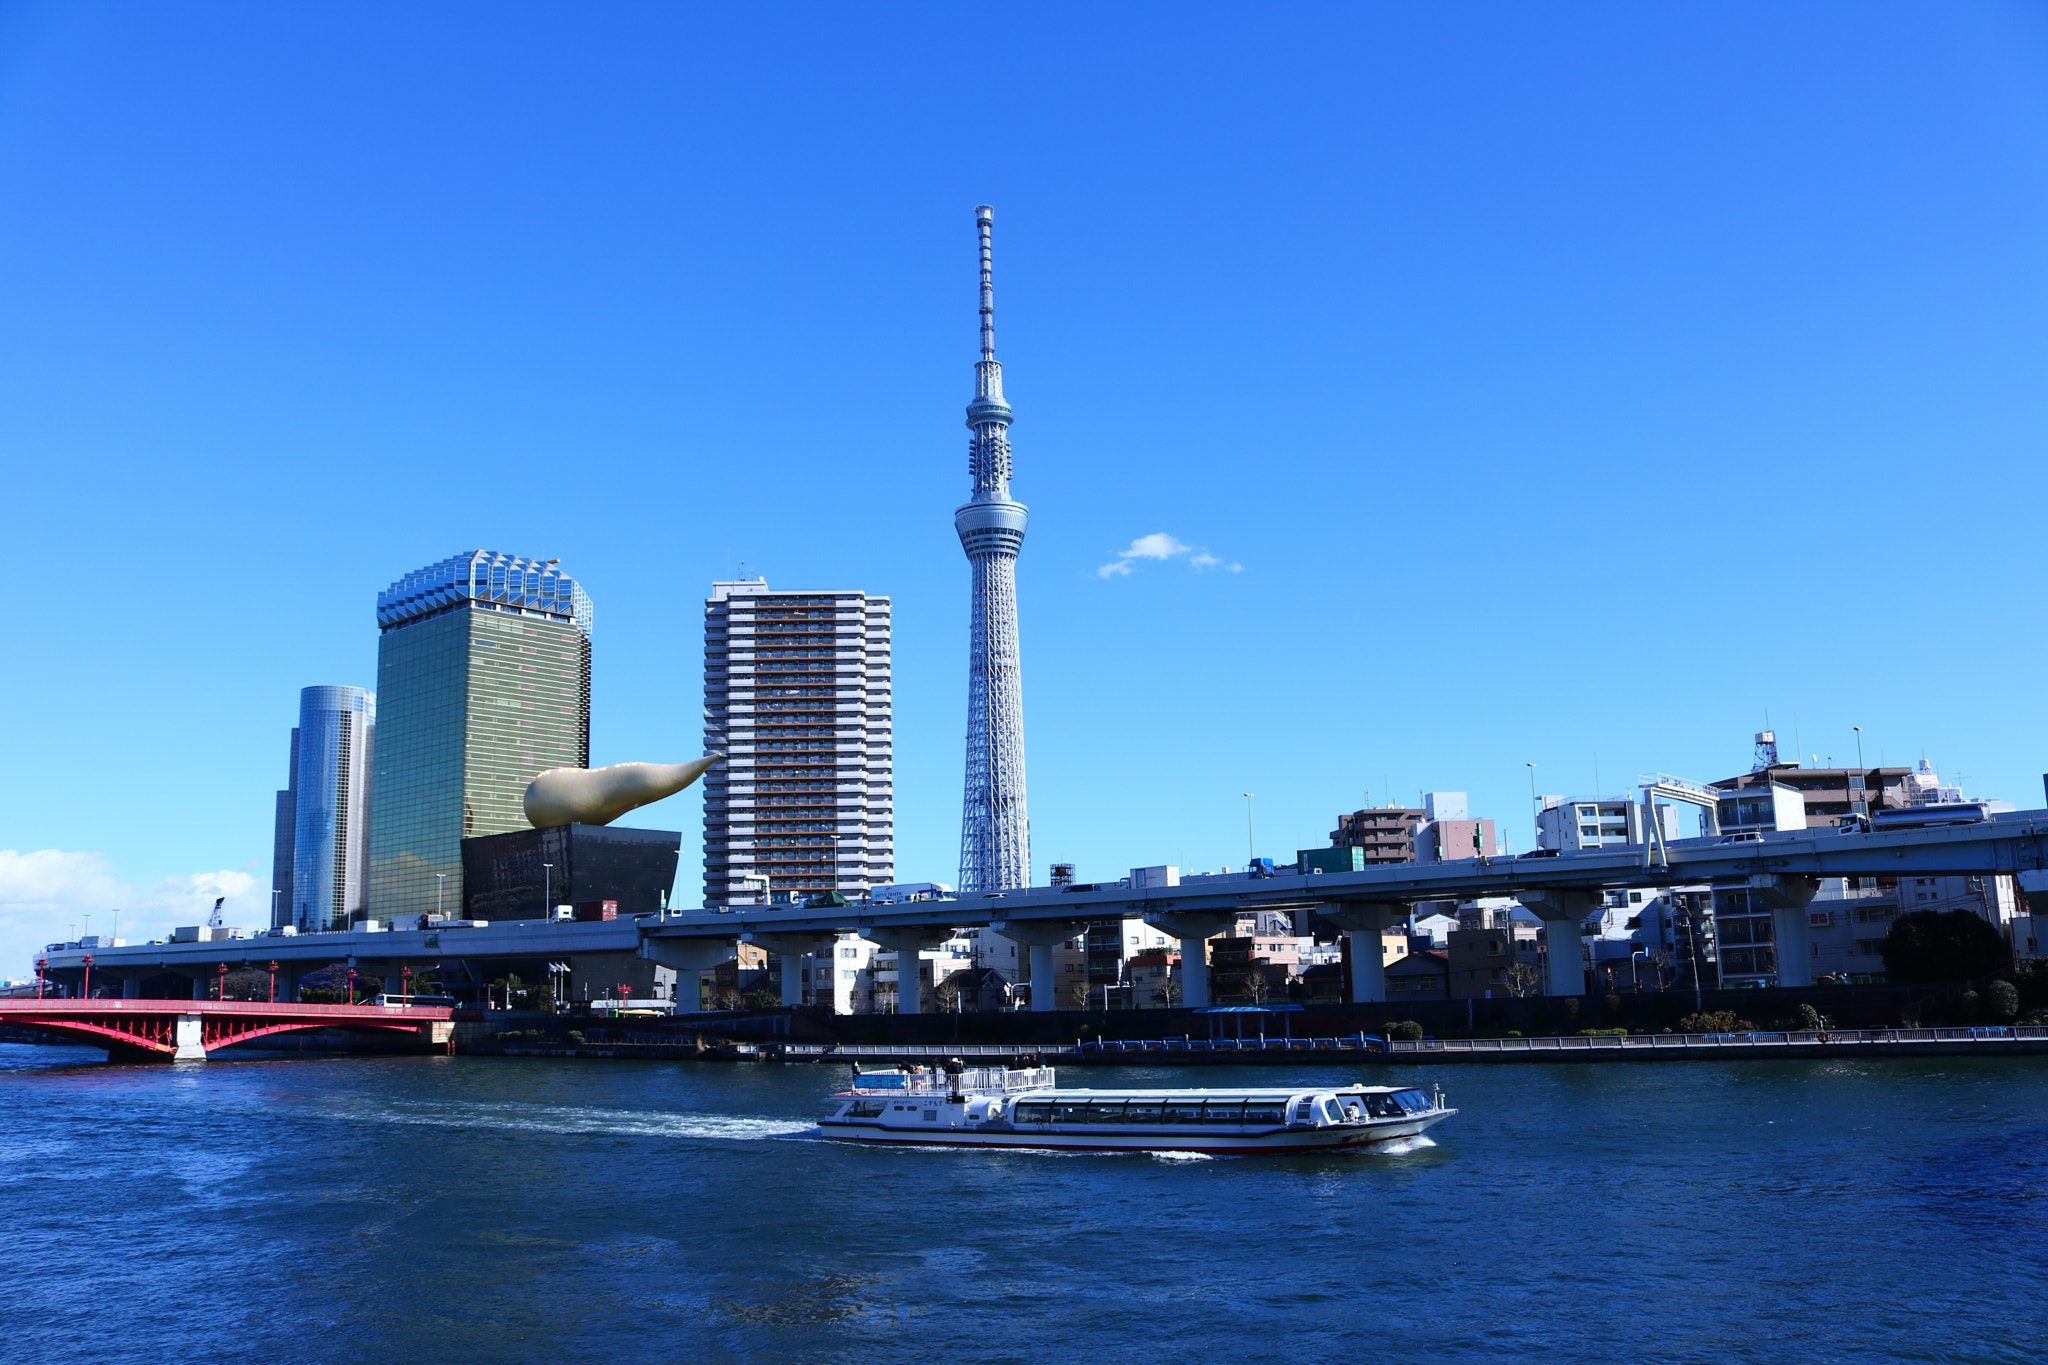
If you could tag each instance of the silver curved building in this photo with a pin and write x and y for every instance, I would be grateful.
(995, 828)
(323, 838)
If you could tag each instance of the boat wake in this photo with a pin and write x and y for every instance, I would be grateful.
(610, 1122)
(1399, 1146)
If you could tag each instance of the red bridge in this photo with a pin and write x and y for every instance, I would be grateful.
(167, 1030)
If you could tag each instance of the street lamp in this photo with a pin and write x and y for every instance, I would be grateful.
(1535, 814)
(86, 991)
(273, 981)
(547, 890)
(440, 883)
(1250, 851)
(223, 993)
(1859, 744)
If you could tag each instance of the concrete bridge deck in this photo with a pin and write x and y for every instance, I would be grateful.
(1562, 889)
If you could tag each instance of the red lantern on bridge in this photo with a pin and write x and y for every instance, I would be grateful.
(273, 981)
(222, 993)
(405, 984)
(351, 987)
(41, 963)
(86, 990)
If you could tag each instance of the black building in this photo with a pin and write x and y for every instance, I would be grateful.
(505, 876)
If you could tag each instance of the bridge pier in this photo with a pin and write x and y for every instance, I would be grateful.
(1563, 911)
(687, 958)
(1041, 937)
(1364, 923)
(792, 949)
(1787, 898)
(190, 1039)
(907, 943)
(1194, 929)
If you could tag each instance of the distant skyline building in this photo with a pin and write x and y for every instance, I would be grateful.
(320, 854)
(797, 696)
(483, 676)
(284, 834)
(995, 824)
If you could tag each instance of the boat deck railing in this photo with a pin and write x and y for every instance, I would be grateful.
(992, 1079)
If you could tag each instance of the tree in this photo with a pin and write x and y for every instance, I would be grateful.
(1077, 993)
(1928, 947)
(1168, 994)
(2001, 1002)
(1524, 979)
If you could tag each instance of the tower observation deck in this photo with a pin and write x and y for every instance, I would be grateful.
(995, 828)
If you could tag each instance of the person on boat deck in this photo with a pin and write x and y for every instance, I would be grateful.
(1354, 1110)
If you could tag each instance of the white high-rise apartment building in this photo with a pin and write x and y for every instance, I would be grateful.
(796, 696)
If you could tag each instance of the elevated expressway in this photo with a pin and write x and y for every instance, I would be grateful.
(1784, 870)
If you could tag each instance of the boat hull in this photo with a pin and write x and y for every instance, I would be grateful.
(1278, 1140)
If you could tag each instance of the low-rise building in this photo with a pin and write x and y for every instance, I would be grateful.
(1575, 822)
(1495, 956)
(1382, 834)
(1420, 976)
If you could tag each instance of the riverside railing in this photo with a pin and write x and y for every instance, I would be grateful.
(1746, 1042)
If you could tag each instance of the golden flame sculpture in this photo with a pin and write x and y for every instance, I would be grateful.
(598, 796)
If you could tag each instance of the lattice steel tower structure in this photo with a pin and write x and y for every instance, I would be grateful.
(995, 830)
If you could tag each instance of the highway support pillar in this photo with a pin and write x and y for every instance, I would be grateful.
(1194, 929)
(688, 958)
(792, 949)
(1788, 898)
(1041, 936)
(1364, 923)
(907, 943)
(188, 1036)
(1563, 910)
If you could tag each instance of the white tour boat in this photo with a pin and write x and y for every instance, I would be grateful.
(994, 1107)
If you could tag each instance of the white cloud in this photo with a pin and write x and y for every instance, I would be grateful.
(47, 895)
(1160, 545)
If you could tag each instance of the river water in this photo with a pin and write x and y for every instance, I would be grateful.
(459, 1209)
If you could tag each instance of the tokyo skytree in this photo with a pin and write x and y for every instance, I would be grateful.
(995, 831)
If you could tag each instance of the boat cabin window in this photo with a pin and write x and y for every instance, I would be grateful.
(1032, 1111)
(1384, 1106)
(1070, 1111)
(1354, 1108)
(1142, 1111)
(1264, 1111)
(1414, 1101)
(1332, 1112)
(1181, 1111)
(1224, 1111)
(1304, 1111)
(865, 1109)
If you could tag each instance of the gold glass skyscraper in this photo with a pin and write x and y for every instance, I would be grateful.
(483, 681)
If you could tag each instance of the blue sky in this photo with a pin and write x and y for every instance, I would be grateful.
(1576, 385)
